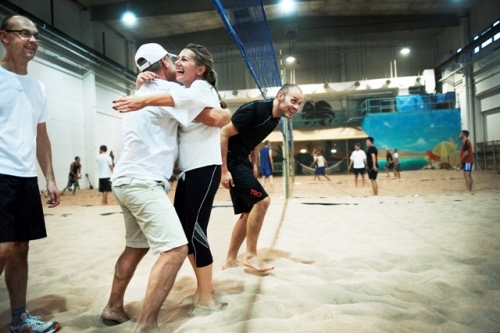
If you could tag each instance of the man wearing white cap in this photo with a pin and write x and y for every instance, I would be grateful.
(140, 185)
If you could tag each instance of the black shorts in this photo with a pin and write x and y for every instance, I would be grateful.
(104, 185)
(372, 174)
(358, 171)
(247, 190)
(72, 180)
(21, 212)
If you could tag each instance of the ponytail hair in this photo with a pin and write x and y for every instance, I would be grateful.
(203, 58)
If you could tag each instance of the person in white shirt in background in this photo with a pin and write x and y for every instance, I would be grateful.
(104, 169)
(358, 162)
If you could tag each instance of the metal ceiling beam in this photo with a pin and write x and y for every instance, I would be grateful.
(315, 28)
(148, 8)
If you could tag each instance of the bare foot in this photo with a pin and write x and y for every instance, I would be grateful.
(207, 302)
(115, 315)
(231, 263)
(256, 263)
(200, 310)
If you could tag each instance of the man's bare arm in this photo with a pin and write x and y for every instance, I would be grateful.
(214, 117)
(253, 159)
(374, 159)
(271, 159)
(226, 132)
(44, 157)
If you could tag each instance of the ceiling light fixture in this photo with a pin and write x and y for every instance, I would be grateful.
(290, 59)
(405, 51)
(287, 5)
(129, 17)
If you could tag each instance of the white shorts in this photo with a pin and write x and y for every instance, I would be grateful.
(150, 217)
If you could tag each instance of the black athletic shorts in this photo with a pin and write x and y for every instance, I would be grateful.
(247, 190)
(358, 171)
(372, 174)
(21, 212)
(104, 185)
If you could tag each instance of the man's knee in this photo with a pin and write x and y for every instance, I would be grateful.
(264, 203)
(178, 253)
(21, 248)
(6, 250)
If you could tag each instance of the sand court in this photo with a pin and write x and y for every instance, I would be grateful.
(423, 256)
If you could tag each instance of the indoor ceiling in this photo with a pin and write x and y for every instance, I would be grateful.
(174, 23)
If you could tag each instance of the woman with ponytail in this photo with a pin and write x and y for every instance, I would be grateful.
(199, 155)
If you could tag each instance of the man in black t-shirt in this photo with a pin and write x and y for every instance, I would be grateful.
(372, 164)
(249, 126)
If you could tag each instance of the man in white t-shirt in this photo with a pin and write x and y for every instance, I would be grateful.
(104, 170)
(23, 113)
(358, 162)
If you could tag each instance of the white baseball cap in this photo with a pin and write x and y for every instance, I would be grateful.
(152, 52)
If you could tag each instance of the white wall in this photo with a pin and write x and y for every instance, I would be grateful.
(493, 126)
(64, 102)
(81, 119)
(108, 123)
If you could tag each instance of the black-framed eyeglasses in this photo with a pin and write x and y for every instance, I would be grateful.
(25, 33)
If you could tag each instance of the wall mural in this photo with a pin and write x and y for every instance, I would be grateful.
(422, 138)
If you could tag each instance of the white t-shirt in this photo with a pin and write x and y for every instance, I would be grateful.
(199, 144)
(320, 161)
(358, 156)
(22, 107)
(396, 158)
(150, 140)
(103, 162)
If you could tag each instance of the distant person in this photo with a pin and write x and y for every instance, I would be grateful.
(104, 170)
(397, 163)
(372, 164)
(266, 164)
(23, 139)
(321, 164)
(389, 165)
(466, 159)
(358, 162)
(75, 170)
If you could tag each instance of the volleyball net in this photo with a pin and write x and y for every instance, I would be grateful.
(246, 23)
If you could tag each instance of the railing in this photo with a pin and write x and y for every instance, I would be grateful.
(321, 116)
(409, 103)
